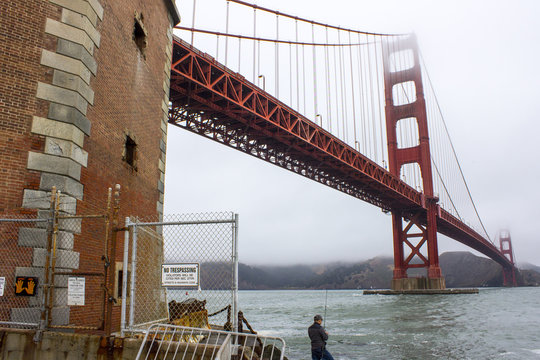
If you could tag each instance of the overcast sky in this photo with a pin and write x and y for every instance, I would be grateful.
(482, 57)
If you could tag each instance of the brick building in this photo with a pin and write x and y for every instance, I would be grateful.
(84, 88)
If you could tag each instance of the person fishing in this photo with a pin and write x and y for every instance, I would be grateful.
(318, 336)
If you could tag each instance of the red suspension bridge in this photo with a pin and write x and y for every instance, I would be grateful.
(346, 108)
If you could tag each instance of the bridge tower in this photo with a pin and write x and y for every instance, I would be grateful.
(411, 240)
(509, 274)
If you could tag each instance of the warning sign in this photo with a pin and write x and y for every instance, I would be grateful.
(180, 275)
(2, 285)
(26, 285)
(76, 291)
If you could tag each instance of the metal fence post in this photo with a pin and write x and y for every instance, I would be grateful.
(46, 270)
(50, 297)
(235, 272)
(125, 278)
(133, 277)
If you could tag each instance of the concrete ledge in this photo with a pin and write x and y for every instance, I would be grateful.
(80, 6)
(37, 199)
(75, 83)
(66, 63)
(62, 96)
(78, 52)
(70, 33)
(64, 184)
(67, 149)
(54, 164)
(69, 115)
(56, 129)
(37, 238)
(422, 292)
(64, 258)
(82, 22)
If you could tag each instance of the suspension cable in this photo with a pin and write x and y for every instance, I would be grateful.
(452, 147)
(245, 37)
(306, 20)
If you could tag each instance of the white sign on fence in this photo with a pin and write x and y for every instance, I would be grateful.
(76, 291)
(180, 275)
(2, 285)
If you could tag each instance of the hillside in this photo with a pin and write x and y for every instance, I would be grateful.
(460, 269)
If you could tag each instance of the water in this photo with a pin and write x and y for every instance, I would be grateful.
(497, 323)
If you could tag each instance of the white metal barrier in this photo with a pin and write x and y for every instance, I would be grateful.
(165, 341)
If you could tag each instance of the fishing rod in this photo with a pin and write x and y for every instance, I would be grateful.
(325, 303)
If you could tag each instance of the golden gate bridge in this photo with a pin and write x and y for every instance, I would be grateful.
(350, 109)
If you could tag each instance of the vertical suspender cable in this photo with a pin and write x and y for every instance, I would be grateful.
(362, 92)
(254, 36)
(297, 71)
(239, 54)
(277, 56)
(259, 58)
(372, 104)
(290, 75)
(304, 77)
(380, 100)
(344, 136)
(193, 21)
(227, 32)
(314, 74)
(328, 95)
(217, 48)
(352, 92)
(336, 91)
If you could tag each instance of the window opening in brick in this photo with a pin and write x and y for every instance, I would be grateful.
(131, 151)
(139, 33)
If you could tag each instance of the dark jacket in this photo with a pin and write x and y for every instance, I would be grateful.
(318, 336)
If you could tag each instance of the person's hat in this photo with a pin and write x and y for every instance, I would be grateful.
(317, 317)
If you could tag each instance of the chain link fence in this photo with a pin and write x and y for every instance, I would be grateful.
(78, 272)
(52, 268)
(183, 269)
(22, 275)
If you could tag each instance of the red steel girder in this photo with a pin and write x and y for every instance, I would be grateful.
(206, 84)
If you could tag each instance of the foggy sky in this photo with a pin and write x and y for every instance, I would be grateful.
(482, 59)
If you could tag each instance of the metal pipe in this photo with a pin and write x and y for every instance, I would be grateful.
(124, 278)
(105, 257)
(202, 222)
(133, 277)
(53, 258)
(24, 220)
(46, 286)
(19, 323)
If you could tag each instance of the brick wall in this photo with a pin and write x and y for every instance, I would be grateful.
(74, 85)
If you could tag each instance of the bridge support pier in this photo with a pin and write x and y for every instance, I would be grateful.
(409, 253)
(509, 273)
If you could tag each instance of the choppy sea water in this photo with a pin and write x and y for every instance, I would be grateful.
(497, 323)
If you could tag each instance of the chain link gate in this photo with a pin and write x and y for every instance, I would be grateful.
(183, 270)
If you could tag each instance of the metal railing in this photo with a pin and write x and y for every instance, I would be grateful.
(165, 341)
